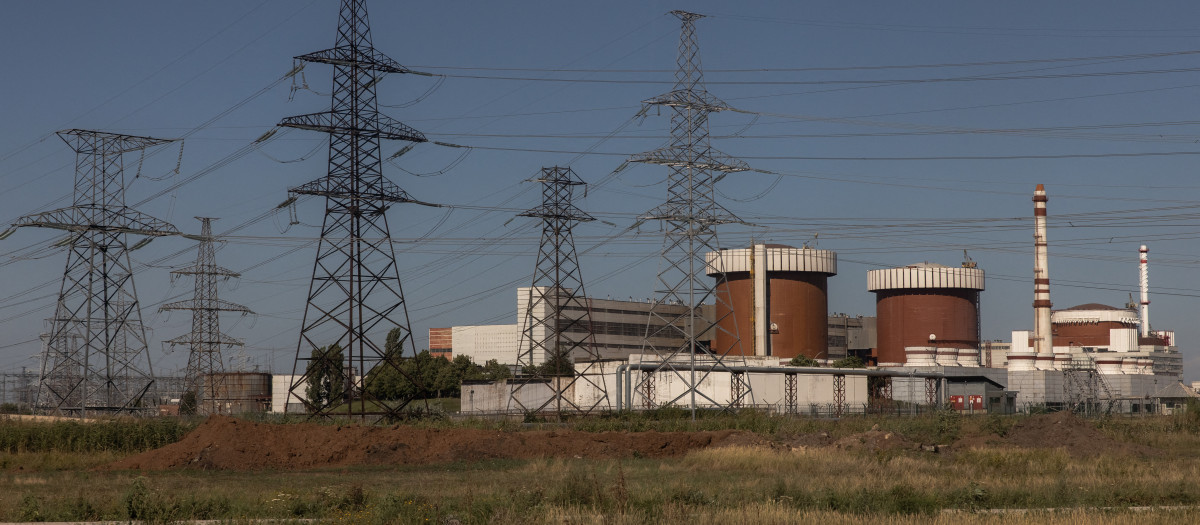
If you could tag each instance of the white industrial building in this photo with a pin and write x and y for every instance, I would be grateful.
(620, 328)
(642, 382)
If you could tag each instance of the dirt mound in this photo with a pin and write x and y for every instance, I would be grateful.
(226, 443)
(1064, 430)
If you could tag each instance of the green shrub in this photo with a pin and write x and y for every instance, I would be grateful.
(31, 508)
(803, 360)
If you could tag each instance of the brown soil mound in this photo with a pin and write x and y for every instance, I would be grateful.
(1065, 430)
(226, 443)
(1057, 430)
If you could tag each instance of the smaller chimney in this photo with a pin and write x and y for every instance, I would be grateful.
(1144, 266)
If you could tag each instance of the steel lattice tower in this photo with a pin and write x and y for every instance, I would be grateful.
(95, 357)
(355, 293)
(205, 340)
(557, 326)
(690, 216)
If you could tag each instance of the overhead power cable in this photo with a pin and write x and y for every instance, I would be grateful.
(838, 68)
(894, 81)
(912, 158)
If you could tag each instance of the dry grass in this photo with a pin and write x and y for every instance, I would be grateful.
(729, 485)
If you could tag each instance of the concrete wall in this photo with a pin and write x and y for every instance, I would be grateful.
(280, 383)
(1035, 387)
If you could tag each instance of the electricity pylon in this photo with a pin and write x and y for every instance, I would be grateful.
(558, 342)
(690, 216)
(355, 297)
(205, 377)
(95, 357)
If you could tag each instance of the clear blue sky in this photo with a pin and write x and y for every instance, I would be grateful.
(1001, 82)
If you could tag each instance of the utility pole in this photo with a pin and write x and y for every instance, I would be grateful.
(95, 358)
(204, 377)
(690, 216)
(355, 298)
(557, 329)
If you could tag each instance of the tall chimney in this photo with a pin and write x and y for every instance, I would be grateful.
(1043, 342)
(1145, 282)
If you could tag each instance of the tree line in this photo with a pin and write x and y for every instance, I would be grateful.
(423, 376)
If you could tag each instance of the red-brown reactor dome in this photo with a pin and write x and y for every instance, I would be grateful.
(916, 301)
(1089, 324)
(789, 284)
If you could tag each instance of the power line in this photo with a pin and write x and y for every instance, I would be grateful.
(895, 81)
(839, 68)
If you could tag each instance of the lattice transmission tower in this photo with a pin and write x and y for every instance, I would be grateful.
(557, 337)
(690, 216)
(95, 357)
(355, 297)
(205, 377)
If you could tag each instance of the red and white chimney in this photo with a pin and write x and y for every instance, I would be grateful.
(1043, 342)
(1144, 266)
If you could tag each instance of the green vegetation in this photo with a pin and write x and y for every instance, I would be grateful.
(120, 436)
(558, 365)
(429, 377)
(848, 362)
(803, 360)
(325, 375)
(187, 403)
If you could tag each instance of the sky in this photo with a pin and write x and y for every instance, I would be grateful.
(891, 133)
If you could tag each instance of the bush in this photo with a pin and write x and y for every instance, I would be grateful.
(71, 436)
(803, 360)
(849, 362)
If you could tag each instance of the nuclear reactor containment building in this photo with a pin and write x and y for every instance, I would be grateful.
(773, 301)
(925, 305)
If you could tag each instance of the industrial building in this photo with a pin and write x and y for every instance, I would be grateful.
(620, 328)
(781, 389)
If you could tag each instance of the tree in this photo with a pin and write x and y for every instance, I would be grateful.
(187, 403)
(849, 362)
(494, 371)
(558, 364)
(803, 360)
(326, 375)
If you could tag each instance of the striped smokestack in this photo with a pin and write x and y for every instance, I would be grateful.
(1043, 342)
(1144, 266)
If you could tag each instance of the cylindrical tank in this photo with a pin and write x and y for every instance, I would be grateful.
(1089, 324)
(236, 393)
(968, 357)
(1145, 365)
(1022, 360)
(1129, 365)
(947, 356)
(772, 300)
(1045, 361)
(920, 356)
(925, 304)
(1108, 365)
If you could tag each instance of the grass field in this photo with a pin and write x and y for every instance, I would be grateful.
(48, 473)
